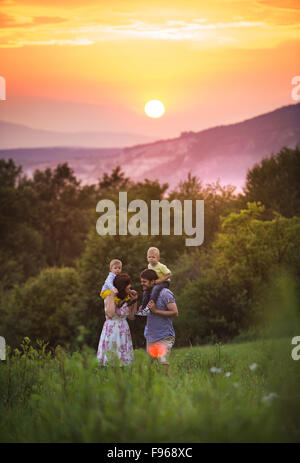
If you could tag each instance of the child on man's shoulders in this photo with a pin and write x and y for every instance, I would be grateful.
(163, 281)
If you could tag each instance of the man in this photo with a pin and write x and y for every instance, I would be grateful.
(159, 331)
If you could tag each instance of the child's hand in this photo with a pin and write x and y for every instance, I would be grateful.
(157, 282)
(152, 306)
(133, 293)
(115, 291)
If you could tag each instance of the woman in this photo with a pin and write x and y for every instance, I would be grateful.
(115, 339)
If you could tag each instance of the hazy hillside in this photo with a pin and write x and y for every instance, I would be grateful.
(224, 152)
(86, 162)
(20, 136)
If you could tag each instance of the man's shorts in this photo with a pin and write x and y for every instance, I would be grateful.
(161, 349)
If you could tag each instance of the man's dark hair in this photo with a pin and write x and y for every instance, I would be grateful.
(120, 282)
(149, 274)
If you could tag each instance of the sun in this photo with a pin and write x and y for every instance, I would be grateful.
(154, 108)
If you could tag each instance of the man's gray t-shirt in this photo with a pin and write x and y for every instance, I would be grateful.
(158, 326)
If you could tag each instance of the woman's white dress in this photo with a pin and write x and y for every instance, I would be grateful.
(115, 339)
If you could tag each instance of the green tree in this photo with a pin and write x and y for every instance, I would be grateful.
(63, 213)
(218, 200)
(109, 185)
(250, 250)
(275, 182)
(45, 307)
(21, 253)
(220, 291)
(211, 309)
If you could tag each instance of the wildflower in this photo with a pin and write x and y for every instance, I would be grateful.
(227, 374)
(253, 366)
(215, 370)
(268, 398)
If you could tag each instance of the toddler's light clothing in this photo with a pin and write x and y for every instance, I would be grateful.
(108, 285)
(160, 269)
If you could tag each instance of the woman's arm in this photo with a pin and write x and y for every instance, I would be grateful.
(132, 311)
(110, 306)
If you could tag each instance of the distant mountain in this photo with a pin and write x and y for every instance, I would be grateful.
(224, 152)
(87, 163)
(21, 136)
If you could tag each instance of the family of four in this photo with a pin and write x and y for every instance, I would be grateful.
(120, 302)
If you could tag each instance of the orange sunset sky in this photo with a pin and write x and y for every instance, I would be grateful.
(92, 65)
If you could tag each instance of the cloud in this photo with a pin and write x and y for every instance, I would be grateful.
(256, 27)
(47, 20)
(280, 13)
(171, 30)
(55, 42)
(11, 22)
(6, 20)
(286, 5)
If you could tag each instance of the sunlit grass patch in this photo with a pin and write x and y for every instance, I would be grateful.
(70, 398)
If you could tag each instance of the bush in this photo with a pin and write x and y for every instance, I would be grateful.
(44, 307)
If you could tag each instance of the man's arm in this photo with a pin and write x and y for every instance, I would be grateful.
(171, 312)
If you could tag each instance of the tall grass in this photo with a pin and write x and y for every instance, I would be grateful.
(69, 398)
(245, 392)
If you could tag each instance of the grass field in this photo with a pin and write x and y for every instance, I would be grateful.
(246, 392)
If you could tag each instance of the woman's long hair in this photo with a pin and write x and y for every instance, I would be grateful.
(121, 281)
